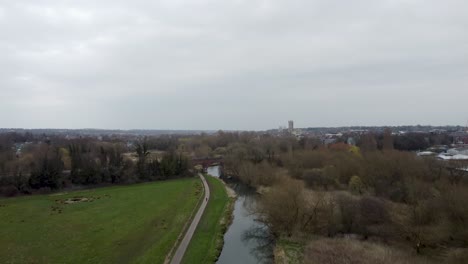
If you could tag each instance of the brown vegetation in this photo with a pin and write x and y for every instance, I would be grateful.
(351, 251)
(374, 194)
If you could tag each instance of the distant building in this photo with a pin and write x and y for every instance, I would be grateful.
(458, 151)
(426, 153)
(351, 141)
(328, 141)
(444, 156)
(459, 137)
(297, 133)
(291, 126)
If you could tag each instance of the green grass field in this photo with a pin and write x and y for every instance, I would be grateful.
(125, 224)
(205, 244)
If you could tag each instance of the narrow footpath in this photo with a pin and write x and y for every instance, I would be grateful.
(180, 252)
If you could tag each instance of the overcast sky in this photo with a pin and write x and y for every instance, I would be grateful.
(243, 64)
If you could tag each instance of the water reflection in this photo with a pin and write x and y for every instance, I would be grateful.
(263, 241)
(246, 241)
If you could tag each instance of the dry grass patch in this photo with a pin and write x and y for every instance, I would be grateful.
(351, 251)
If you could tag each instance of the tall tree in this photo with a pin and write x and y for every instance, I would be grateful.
(142, 153)
(49, 171)
(387, 143)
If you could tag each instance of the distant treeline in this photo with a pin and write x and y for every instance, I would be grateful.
(407, 142)
(102, 132)
(40, 163)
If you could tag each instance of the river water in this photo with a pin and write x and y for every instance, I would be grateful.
(246, 240)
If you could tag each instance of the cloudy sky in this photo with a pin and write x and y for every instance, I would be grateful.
(241, 64)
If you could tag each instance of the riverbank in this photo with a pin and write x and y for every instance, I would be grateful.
(207, 242)
(288, 252)
(188, 233)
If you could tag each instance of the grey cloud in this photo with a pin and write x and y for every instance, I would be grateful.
(232, 64)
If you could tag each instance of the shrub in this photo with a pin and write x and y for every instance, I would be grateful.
(350, 251)
(348, 212)
(8, 191)
(373, 211)
(356, 185)
(283, 207)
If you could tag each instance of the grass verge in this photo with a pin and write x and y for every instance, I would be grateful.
(181, 236)
(287, 251)
(207, 242)
(122, 224)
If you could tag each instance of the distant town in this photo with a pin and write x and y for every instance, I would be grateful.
(442, 142)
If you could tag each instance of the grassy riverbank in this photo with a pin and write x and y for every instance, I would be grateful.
(287, 251)
(207, 241)
(121, 224)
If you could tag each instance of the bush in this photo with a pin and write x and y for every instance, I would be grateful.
(350, 251)
(348, 213)
(373, 211)
(356, 185)
(458, 256)
(312, 177)
(8, 191)
(283, 207)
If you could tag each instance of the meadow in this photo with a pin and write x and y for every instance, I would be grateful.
(121, 224)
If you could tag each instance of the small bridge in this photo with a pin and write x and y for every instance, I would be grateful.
(207, 162)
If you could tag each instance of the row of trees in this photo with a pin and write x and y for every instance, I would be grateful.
(404, 142)
(61, 163)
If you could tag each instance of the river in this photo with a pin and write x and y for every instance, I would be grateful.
(246, 240)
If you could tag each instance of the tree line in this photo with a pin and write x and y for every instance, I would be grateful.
(53, 163)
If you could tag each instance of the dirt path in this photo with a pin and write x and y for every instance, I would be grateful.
(179, 254)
